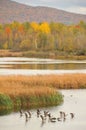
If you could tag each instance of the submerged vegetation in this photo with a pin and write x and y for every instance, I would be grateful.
(41, 39)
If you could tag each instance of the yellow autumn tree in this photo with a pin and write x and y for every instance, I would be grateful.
(35, 26)
(44, 27)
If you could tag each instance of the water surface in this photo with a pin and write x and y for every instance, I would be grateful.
(33, 66)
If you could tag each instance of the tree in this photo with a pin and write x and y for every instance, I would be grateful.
(44, 28)
(8, 31)
(25, 45)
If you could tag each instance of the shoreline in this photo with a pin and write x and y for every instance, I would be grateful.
(40, 54)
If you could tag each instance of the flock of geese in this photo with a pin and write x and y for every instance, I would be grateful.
(46, 115)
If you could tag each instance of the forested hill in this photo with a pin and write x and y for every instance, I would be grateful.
(13, 11)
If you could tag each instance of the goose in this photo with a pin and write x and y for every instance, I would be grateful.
(38, 112)
(49, 115)
(46, 113)
(29, 114)
(61, 114)
(52, 119)
(72, 115)
(64, 119)
(21, 113)
(26, 115)
(64, 114)
(59, 119)
(43, 118)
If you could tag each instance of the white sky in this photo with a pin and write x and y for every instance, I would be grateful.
(77, 6)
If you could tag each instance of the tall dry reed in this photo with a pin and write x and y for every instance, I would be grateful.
(66, 81)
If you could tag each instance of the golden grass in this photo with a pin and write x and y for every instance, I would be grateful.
(39, 82)
(18, 90)
(39, 90)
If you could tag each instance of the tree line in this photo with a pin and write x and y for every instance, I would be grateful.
(44, 37)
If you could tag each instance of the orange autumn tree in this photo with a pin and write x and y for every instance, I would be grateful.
(21, 29)
(8, 31)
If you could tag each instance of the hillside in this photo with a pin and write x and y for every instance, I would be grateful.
(13, 11)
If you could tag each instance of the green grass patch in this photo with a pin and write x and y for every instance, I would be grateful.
(38, 101)
(7, 104)
(5, 101)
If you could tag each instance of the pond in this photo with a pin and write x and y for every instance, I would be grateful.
(74, 101)
(33, 66)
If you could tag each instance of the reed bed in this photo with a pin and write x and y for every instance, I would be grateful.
(22, 94)
(65, 81)
(40, 90)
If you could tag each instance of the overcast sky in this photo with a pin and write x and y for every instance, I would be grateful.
(77, 6)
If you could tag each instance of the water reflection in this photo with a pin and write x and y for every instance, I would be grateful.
(37, 64)
(30, 66)
(62, 66)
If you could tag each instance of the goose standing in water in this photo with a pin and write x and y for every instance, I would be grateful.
(29, 113)
(43, 118)
(46, 113)
(59, 119)
(51, 119)
(38, 112)
(64, 115)
(61, 114)
(26, 116)
(72, 115)
(21, 113)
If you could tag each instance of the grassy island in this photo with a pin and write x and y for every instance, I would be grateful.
(37, 91)
(20, 92)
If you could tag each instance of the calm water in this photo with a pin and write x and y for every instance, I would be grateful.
(32, 66)
(74, 101)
